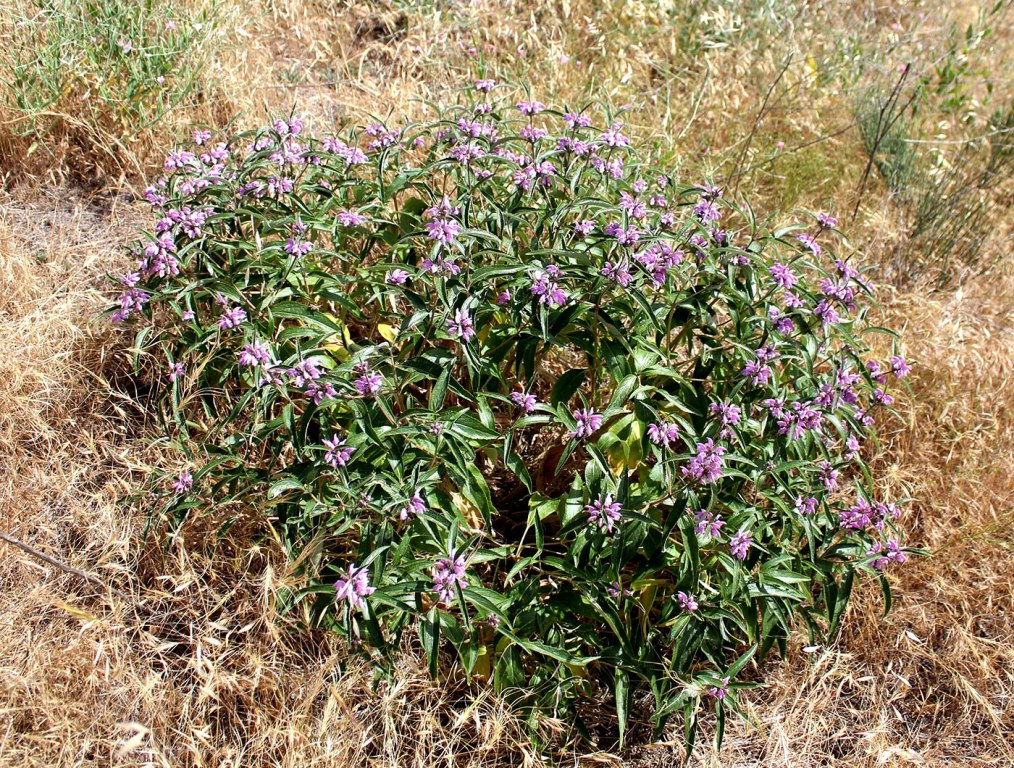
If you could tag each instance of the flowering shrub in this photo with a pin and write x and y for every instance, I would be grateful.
(495, 380)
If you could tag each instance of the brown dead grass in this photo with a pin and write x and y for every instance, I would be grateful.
(197, 669)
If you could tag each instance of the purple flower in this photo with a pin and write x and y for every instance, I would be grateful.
(384, 137)
(859, 516)
(826, 312)
(628, 236)
(900, 368)
(739, 544)
(709, 191)
(783, 275)
(663, 433)
(449, 574)
(707, 465)
(687, 602)
(545, 171)
(584, 227)
(338, 453)
(201, 137)
(709, 522)
(231, 318)
(729, 414)
(176, 371)
(882, 397)
(461, 325)
(179, 159)
(304, 372)
(351, 218)
(844, 382)
(604, 512)
(587, 422)
(720, 691)
(466, 154)
(806, 505)
(635, 208)
(256, 354)
(183, 482)
(573, 120)
(353, 587)
(758, 373)
(441, 266)
(484, 85)
(785, 325)
(442, 230)
(843, 292)
(414, 506)
(396, 277)
(613, 138)
(792, 301)
(351, 155)
(531, 133)
(616, 591)
(801, 418)
(809, 242)
(826, 220)
(548, 290)
(524, 400)
(892, 554)
(705, 210)
(190, 220)
(828, 475)
(618, 272)
(159, 259)
(445, 209)
(298, 248)
(320, 391)
(369, 382)
(530, 108)
(876, 372)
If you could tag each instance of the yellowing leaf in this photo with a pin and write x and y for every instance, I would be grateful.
(470, 512)
(617, 456)
(77, 613)
(388, 332)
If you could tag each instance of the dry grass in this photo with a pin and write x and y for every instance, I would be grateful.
(197, 669)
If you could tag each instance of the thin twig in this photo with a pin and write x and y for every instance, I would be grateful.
(757, 121)
(883, 128)
(61, 565)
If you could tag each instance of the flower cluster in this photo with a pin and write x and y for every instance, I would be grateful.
(448, 577)
(354, 587)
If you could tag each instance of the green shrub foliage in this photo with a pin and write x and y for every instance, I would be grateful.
(496, 380)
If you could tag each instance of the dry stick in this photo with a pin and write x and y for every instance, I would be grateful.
(882, 130)
(757, 121)
(61, 565)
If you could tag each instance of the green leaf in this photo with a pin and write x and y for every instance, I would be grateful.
(439, 391)
(565, 387)
(622, 693)
(284, 485)
(429, 635)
